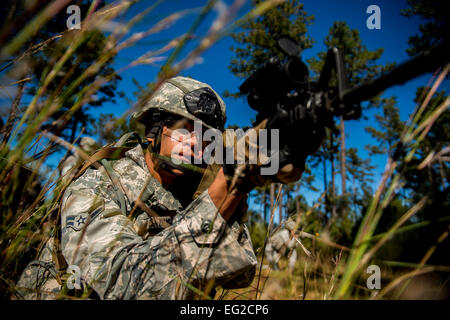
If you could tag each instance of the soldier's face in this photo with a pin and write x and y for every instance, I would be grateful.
(178, 141)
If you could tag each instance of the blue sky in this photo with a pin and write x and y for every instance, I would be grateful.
(393, 38)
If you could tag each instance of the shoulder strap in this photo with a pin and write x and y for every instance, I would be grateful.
(117, 151)
(120, 195)
(113, 152)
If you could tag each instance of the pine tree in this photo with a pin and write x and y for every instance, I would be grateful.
(43, 59)
(434, 31)
(361, 173)
(109, 128)
(321, 159)
(432, 179)
(361, 65)
(429, 180)
(390, 127)
(262, 197)
(257, 43)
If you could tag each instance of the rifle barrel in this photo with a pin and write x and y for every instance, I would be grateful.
(425, 62)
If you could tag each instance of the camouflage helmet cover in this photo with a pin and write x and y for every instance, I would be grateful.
(168, 98)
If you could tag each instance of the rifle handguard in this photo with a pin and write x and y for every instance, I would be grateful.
(246, 176)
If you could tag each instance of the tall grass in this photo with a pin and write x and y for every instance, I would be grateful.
(333, 271)
(30, 191)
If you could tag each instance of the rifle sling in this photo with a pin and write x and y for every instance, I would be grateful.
(112, 153)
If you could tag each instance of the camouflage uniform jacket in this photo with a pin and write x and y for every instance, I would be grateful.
(118, 256)
(282, 238)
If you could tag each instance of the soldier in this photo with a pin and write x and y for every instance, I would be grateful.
(130, 228)
(282, 244)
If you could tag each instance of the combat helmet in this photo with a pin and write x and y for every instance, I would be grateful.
(182, 97)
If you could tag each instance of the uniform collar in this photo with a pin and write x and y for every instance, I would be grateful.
(154, 193)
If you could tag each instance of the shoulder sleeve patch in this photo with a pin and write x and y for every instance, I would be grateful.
(78, 222)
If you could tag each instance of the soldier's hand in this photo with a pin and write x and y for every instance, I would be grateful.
(258, 165)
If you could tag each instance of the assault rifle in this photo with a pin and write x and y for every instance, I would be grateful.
(302, 109)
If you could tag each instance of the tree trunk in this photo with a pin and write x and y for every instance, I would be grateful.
(72, 136)
(325, 183)
(333, 188)
(265, 205)
(343, 155)
(298, 210)
(343, 165)
(272, 198)
(288, 191)
(333, 194)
